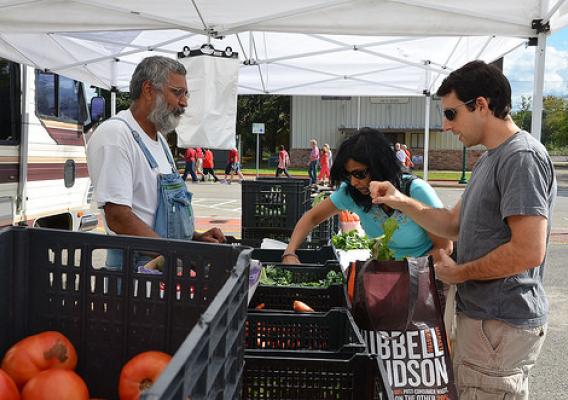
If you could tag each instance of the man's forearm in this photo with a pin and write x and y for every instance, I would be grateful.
(124, 222)
(502, 262)
(439, 221)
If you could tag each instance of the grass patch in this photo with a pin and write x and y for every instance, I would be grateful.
(302, 172)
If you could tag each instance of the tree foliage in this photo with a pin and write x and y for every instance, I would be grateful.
(554, 120)
(273, 111)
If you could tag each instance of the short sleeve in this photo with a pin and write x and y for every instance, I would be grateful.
(422, 191)
(341, 199)
(524, 180)
(112, 174)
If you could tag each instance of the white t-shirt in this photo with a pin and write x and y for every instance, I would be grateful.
(119, 170)
(401, 155)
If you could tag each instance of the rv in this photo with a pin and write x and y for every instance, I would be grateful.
(44, 181)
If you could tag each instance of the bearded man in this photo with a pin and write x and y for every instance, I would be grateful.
(136, 182)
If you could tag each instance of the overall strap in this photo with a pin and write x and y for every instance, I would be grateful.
(151, 160)
(168, 155)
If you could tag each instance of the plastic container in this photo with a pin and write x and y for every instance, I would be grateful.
(282, 298)
(302, 335)
(273, 203)
(307, 256)
(356, 377)
(306, 273)
(51, 280)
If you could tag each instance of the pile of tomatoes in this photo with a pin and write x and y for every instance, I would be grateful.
(41, 367)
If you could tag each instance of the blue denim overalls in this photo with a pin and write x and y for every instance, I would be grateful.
(174, 214)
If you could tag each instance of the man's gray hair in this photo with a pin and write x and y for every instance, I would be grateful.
(156, 70)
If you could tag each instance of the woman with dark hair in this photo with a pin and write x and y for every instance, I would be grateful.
(364, 157)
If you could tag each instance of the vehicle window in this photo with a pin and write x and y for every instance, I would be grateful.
(69, 99)
(59, 98)
(9, 101)
(45, 94)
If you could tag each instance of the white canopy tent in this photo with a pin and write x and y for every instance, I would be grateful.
(309, 47)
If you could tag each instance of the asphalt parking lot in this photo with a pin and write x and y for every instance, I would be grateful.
(220, 205)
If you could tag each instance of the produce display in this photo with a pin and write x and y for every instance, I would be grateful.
(60, 384)
(37, 353)
(8, 389)
(350, 241)
(140, 373)
(379, 246)
(278, 276)
(300, 306)
(41, 367)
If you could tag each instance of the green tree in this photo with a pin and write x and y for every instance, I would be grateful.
(273, 111)
(554, 131)
(555, 126)
(523, 117)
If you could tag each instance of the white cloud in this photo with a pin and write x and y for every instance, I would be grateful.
(519, 68)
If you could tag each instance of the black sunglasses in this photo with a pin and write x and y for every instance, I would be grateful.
(357, 173)
(450, 113)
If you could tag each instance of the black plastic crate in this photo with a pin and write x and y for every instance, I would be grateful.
(269, 203)
(321, 234)
(285, 180)
(307, 256)
(253, 236)
(48, 281)
(306, 273)
(302, 335)
(282, 298)
(358, 377)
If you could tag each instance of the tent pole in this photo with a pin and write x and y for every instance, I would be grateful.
(113, 87)
(426, 119)
(358, 112)
(538, 86)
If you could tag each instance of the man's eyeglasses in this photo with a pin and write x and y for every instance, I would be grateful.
(450, 113)
(179, 91)
(357, 173)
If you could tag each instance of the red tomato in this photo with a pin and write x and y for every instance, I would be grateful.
(140, 373)
(36, 353)
(8, 389)
(56, 384)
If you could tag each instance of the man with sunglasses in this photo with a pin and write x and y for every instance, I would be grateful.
(502, 224)
(137, 184)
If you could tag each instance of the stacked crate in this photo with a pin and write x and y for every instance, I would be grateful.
(272, 207)
(194, 310)
(304, 356)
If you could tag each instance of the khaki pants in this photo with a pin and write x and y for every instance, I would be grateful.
(492, 359)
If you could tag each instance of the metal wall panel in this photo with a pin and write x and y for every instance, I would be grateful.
(320, 119)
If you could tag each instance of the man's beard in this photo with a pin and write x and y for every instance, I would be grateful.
(164, 117)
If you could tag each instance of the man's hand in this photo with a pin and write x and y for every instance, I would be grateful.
(213, 235)
(447, 270)
(385, 193)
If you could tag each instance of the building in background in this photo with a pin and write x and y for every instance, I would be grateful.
(332, 119)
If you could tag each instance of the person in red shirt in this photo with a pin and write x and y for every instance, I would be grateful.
(199, 163)
(324, 164)
(233, 167)
(283, 162)
(189, 164)
(408, 162)
(208, 165)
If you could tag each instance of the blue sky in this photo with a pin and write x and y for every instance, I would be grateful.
(519, 68)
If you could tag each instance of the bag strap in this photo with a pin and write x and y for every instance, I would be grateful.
(406, 183)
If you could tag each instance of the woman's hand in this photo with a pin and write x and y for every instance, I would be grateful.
(290, 258)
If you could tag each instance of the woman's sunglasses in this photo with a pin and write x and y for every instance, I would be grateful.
(357, 173)
(450, 113)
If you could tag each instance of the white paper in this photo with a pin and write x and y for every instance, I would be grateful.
(211, 115)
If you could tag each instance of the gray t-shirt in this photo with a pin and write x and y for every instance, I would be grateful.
(516, 178)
